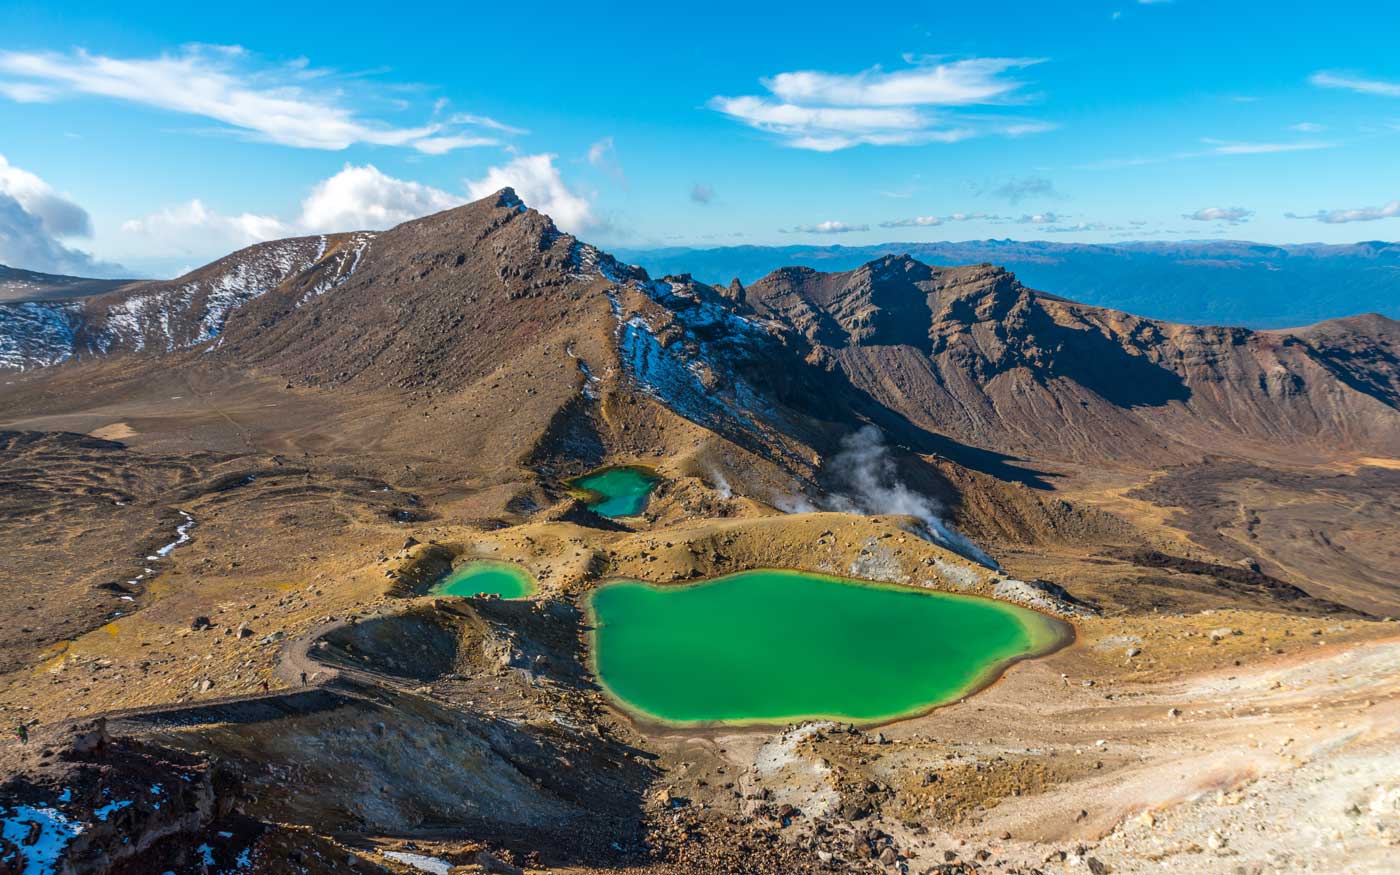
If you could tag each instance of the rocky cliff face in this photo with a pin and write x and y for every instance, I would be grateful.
(972, 353)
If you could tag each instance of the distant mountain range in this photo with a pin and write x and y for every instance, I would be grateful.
(1205, 283)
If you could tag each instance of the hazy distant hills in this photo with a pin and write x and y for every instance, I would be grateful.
(1211, 282)
(18, 285)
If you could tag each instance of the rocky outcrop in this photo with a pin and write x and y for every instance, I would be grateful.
(85, 802)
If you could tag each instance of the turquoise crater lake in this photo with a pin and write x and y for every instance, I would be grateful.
(617, 492)
(504, 579)
(769, 647)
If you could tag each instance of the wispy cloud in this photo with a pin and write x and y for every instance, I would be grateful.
(1223, 147)
(820, 111)
(1307, 127)
(1216, 147)
(701, 194)
(1358, 214)
(603, 155)
(1230, 215)
(827, 227)
(1017, 189)
(1359, 84)
(292, 104)
(934, 221)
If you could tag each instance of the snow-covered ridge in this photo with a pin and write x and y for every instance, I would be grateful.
(163, 316)
(162, 319)
(590, 262)
(687, 358)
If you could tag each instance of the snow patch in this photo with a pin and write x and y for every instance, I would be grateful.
(422, 863)
(110, 808)
(56, 830)
(182, 536)
(37, 335)
(338, 272)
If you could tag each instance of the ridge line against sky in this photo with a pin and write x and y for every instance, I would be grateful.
(147, 141)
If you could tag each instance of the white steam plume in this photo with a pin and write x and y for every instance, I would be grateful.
(871, 486)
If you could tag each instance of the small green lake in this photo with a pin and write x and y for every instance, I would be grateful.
(769, 647)
(617, 492)
(504, 579)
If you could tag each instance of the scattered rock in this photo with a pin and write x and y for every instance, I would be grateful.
(489, 862)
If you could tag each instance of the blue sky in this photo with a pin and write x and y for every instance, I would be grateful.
(157, 136)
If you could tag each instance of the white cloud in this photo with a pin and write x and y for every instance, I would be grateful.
(1046, 218)
(537, 181)
(364, 198)
(1307, 127)
(958, 83)
(824, 112)
(1360, 85)
(60, 216)
(192, 228)
(34, 219)
(829, 227)
(283, 104)
(359, 197)
(934, 221)
(356, 198)
(1359, 214)
(1230, 215)
(914, 222)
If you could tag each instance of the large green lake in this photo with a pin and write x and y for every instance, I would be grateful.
(617, 492)
(504, 579)
(767, 647)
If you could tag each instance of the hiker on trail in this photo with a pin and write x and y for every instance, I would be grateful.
(303, 679)
(264, 686)
(23, 732)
